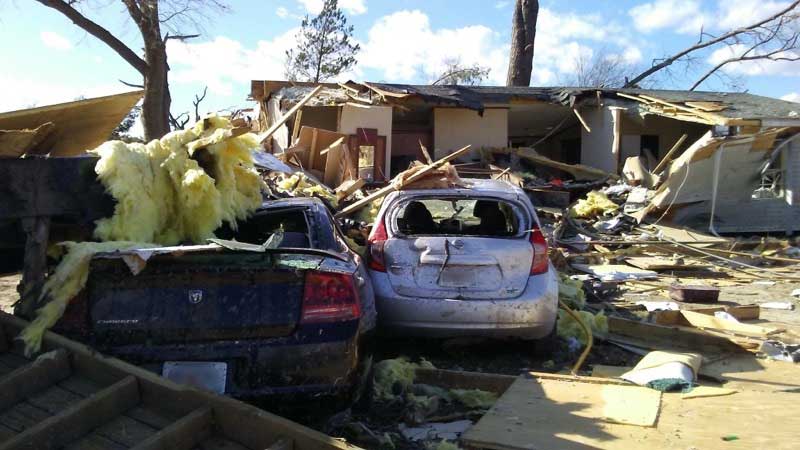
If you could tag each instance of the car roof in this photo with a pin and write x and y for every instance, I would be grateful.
(471, 186)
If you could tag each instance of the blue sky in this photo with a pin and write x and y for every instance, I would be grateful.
(47, 59)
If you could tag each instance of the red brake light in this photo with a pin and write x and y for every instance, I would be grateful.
(375, 243)
(539, 263)
(329, 297)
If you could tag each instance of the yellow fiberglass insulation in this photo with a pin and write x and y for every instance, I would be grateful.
(68, 279)
(568, 327)
(595, 204)
(299, 185)
(164, 197)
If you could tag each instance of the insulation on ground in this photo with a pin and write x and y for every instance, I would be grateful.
(595, 204)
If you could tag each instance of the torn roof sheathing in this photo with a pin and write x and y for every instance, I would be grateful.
(77, 126)
(712, 108)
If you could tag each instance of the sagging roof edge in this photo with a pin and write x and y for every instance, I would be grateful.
(732, 108)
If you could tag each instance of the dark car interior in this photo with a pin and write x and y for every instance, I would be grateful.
(258, 228)
(457, 216)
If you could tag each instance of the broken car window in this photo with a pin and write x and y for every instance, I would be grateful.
(258, 228)
(457, 216)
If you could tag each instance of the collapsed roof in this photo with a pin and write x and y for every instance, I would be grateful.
(713, 108)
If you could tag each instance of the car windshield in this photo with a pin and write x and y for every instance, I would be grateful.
(457, 216)
(258, 228)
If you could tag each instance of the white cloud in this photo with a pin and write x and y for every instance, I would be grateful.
(792, 97)
(354, 7)
(423, 50)
(282, 12)
(21, 93)
(752, 67)
(632, 55)
(222, 62)
(502, 4)
(55, 41)
(682, 16)
(738, 13)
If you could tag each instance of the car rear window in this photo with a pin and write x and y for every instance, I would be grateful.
(457, 216)
(258, 228)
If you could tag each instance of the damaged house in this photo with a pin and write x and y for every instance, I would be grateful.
(719, 161)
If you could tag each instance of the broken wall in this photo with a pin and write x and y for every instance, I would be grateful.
(454, 128)
(596, 145)
(325, 117)
(354, 117)
(740, 162)
(667, 130)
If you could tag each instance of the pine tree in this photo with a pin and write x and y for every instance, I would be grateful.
(324, 46)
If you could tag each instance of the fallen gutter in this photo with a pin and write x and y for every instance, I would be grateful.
(774, 155)
(714, 185)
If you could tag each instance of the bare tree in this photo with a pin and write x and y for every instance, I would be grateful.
(772, 39)
(457, 73)
(523, 36)
(149, 16)
(180, 122)
(601, 68)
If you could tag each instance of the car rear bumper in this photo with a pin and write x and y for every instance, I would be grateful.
(532, 315)
(257, 368)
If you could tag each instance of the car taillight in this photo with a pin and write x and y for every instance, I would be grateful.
(375, 244)
(329, 297)
(539, 263)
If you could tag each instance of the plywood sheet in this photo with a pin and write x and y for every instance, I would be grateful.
(661, 263)
(520, 421)
(79, 126)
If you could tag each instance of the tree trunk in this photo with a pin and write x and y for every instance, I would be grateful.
(523, 35)
(156, 104)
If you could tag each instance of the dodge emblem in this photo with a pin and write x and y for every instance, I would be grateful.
(195, 296)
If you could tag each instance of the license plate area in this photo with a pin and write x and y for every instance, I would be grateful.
(210, 376)
(460, 277)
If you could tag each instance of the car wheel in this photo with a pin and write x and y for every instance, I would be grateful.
(547, 345)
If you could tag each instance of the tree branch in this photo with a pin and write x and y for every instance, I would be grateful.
(700, 45)
(99, 32)
(138, 86)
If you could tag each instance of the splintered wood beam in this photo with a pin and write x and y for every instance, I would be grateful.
(46, 370)
(668, 157)
(425, 153)
(580, 118)
(296, 129)
(391, 187)
(266, 135)
(79, 419)
(183, 434)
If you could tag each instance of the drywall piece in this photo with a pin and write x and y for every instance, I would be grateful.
(454, 128)
(362, 116)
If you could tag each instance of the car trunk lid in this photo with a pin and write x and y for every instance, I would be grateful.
(458, 267)
(198, 296)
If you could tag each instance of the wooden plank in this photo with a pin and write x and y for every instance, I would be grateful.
(706, 321)
(682, 424)
(661, 263)
(54, 399)
(668, 157)
(334, 154)
(296, 128)
(744, 312)
(661, 337)
(582, 121)
(312, 150)
(391, 187)
(220, 443)
(94, 441)
(44, 371)
(348, 187)
(457, 379)
(79, 419)
(125, 430)
(537, 413)
(272, 129)
(183, 434)
(706, 106)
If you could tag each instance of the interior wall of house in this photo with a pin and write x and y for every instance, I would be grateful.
(664, 130)
(454, 128)
(325, 117)
(354, 117)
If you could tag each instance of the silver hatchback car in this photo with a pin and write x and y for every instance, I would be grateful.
(462, 262)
